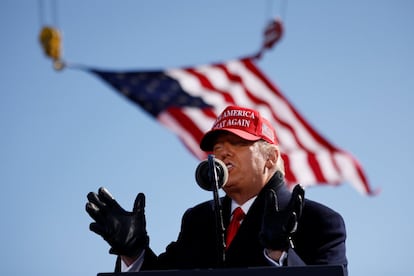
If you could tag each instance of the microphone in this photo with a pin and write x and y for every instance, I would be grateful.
(205, 170)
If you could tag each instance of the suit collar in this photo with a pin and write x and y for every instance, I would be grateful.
(275, 183)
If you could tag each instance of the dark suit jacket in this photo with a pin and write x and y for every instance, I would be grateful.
(320, 237)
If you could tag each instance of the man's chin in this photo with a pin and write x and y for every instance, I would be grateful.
(229, 188)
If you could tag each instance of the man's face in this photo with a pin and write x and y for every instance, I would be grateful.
(245, 163)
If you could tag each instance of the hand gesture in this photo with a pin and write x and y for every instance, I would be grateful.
(124, 231)
(279, 225)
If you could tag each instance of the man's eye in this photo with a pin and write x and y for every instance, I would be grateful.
(216, 148)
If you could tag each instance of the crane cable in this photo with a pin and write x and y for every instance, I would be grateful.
(50, 37)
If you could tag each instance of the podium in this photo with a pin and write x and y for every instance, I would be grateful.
(315, 270)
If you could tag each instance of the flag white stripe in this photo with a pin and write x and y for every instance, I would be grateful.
(348, 171)
(329, 171)
(301, 169)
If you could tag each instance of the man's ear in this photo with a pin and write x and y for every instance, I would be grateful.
(272, 158)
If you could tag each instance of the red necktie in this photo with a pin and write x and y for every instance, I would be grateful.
(234, 225)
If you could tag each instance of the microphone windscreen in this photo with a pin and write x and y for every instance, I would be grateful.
(203, 178)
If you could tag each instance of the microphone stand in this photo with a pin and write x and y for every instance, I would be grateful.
(221, 245)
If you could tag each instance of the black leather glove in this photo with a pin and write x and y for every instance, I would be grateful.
(124, 231)
(279, 225)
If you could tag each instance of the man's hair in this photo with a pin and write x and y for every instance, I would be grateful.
(268, 149)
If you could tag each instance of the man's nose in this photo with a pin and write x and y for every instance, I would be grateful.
(223, 150)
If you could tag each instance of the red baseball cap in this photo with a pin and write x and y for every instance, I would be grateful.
(244, 122)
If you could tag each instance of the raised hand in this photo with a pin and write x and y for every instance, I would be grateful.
(279, 225)
(124, 231)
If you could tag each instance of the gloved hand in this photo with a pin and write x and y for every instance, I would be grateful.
(279, 225)
(124, 231)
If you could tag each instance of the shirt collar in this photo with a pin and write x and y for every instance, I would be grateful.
(245, 206)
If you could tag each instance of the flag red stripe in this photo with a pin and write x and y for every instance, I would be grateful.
(316, 168)
(289, 175)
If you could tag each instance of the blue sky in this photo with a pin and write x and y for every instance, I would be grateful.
(346, 66)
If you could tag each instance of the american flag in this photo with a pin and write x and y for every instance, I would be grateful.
(187, 101)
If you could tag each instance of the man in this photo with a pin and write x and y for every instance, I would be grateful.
(276, 227)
